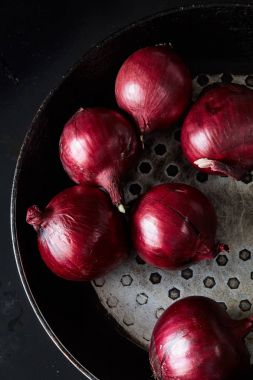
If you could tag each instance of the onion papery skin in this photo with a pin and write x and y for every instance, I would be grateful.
(195, 339)
(217, 134)
(154, 86)
(98, 146)
(81, 236)
(173, 226)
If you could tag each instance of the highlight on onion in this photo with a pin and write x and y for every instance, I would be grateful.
(174, 225)
(195, 339)
(154, 86)
(81, 236)
(217, 134)
(98, 146)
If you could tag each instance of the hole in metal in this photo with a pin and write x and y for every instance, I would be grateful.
(226, 78)
(145, 167)
(172, 170)
(155, 278)
(160, 149)
(159, 312)
(233, 283)
(209, 282)
(142, 298)
(112, 302)
(135, 189)
(128, 319)
(187, 273)
(174, 293)
(245, 254)
(245, 305)
(222, 260)
(202, 177)
(203, 80)
(126, 280)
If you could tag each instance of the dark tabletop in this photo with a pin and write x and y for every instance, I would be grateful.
(39, 40)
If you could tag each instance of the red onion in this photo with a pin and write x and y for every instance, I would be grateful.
(98, 146)
(80, 235)
(217, 134)
(195, 339)
(174, 225)
(154, 86)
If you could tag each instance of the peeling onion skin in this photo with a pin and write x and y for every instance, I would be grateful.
(81, 236)
(217, 134)
(195, 339)
(98, 146)
(154, 86)
(173, 226)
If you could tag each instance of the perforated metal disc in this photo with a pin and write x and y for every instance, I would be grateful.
(136, 294)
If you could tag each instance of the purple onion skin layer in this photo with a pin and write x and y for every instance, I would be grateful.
(217, 134)
(195, 339)
(174, 225)
(98, 146)
(154, 86)
(81, 236)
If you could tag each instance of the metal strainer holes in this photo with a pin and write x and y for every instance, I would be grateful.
(145, 167)
(112, 302)
(135, 189)
(126, 280)
(202, 177)
(160, 149)
(187, 273)
(172, 170)
(203, 80)
(142, 299)
(226, 78)
(245, 305)
(233, 283)
(209, 282)
(222, 260)
(155, 278)
(128, 319)
(174, 293)
(159, 312)
(245, 254)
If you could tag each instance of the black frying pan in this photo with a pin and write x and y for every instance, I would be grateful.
(211, 39)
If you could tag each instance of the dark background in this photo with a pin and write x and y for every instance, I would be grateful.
(39, 41)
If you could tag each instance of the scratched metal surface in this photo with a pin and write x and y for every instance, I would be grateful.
(136, 294)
